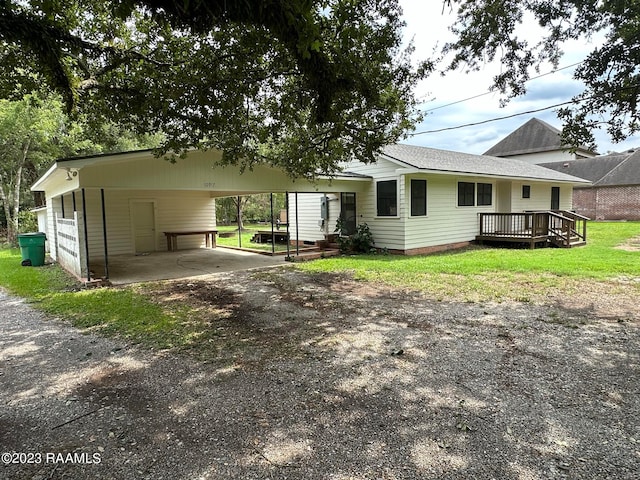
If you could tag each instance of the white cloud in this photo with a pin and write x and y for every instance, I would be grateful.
(427, 25)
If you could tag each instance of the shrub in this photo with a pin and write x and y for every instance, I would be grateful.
(27, 221)
(360, 242)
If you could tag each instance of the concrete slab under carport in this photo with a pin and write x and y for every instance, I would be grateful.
(125, 269)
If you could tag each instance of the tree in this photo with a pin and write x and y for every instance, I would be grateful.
(490, 29)
(29, 130)
(300, 85)
(34, 131)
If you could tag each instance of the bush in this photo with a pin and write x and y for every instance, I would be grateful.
(360, 242)
(27, 221)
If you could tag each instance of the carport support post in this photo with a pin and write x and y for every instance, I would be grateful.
(104, 232)
(286, 206)
(86, 233)
(238, 219)
(273, 239)
(297, 229)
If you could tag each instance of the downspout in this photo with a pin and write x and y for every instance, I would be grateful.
(104, 233)
(86, 233)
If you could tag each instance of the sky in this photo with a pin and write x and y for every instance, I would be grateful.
(427, 25)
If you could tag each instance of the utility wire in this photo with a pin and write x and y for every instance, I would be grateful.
(492, 119)
(489, 92)
(569, 102)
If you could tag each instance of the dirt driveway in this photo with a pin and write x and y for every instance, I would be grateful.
(323, 377)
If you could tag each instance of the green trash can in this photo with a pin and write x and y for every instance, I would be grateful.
(32, 248)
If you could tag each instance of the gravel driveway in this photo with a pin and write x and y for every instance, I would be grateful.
(337, 380)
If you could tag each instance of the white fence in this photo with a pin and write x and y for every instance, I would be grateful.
(68, 244)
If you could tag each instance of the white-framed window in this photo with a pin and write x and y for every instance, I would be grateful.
(418, 197)
(472, 194)
(387, 198)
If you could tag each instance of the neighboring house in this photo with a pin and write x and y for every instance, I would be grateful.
(122, 204)
(615, 190)
(419, 200)
(537, 142)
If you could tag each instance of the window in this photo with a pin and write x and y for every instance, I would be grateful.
(526, 191)
(466, 194)
(387, 198)
(484, 194)
(418, 198)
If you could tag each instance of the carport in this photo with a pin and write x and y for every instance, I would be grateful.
(105, 207)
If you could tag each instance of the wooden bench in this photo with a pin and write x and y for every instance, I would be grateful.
(172, 238)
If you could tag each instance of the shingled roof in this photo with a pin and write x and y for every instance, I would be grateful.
(432, 159)
(604, 171)
(535, 136)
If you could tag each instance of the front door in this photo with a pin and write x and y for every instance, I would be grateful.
(555, 198)
(144, 226)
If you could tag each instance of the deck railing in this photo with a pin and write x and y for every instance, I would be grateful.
(559, 227)
(567, 227)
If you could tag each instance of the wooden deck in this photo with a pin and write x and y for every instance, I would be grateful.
(268, 236)
(548, 228)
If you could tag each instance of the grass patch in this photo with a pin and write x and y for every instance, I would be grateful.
(247, 235)
(472, 274)
(483, 273)
(122, 312)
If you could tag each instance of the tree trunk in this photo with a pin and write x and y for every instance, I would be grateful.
(7, 212)
(12, 205)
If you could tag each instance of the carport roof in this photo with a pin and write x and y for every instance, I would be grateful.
(62, 167)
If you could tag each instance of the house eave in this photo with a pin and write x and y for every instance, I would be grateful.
(409, 171)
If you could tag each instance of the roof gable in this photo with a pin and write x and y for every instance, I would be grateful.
(535, 136)
(424, 158)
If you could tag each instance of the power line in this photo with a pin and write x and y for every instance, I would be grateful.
(493, 119)
(489, 92)
(634, 86)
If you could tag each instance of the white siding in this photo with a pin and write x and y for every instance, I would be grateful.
(174, 210)
(540, 197)
(546, 157)
(308, 229)
(445, 222)
(388, 232)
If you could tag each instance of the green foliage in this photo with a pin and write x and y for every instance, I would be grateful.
(300, 85)
(27, 222)
(489, 29)
(35, 131)
(360, 242)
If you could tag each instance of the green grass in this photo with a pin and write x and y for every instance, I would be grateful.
(246, 236)
(472, 274)
(115, 311)
(497, 273)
